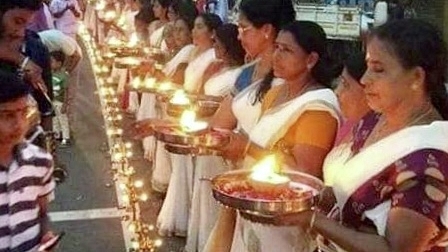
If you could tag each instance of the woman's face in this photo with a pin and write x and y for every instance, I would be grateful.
(290, 60)
(351, 97)
(159, 11)
(172, 15)
(201, 33)
(252, 39)
(387, 85)
(182, 34)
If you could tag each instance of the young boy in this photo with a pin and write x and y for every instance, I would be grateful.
(26, 183)
(60, 81)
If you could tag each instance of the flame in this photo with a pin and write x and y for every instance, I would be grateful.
(266, 170)
(133, 41)
(136, 82)
(121, 21)
(100, 5)
(188, 122)
(114, 41)
(165, 86)
(110, 15)
(180, 98)
(150, 82)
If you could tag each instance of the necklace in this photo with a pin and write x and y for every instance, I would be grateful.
(382, 130)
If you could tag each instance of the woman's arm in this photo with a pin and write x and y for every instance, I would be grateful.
(406, 230)
(221, 237)
(224, 117)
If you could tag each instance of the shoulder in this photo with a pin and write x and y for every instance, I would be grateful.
(30, 154)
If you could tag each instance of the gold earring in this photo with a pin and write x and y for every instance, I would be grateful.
(266, 36)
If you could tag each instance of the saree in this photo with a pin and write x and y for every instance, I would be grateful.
(204, 208)
(273, 124)
(416, 156)
(196, 69)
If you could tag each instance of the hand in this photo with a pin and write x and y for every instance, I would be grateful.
(145, 128)
(301, 219)
(46, 237)
(236, 147)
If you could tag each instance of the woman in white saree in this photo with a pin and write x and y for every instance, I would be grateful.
(391, 190)
(204, 209)
(299, 120)
(180, 187)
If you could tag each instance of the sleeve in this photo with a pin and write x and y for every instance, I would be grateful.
(316, 128)
(420, 183)
(47, 183)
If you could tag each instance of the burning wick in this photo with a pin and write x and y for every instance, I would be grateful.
(265, 175)
(150, 82)
(188, 122)
(180, 98)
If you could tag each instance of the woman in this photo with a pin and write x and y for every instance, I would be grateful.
(160, 9)
(353, 103)
(299, 122)
(391, 191)
(203, 30)
(204, 209)
(221, 75)
(180, 183)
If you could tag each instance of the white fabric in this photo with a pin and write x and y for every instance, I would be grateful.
(222, 83)
(55, 40)
(350, 177)
(334, 161)
(275, 122)
(67, 23)
(195, 70)
(147, 110)
(156, 39)
(204, 208)
(174, 215)
(181, 57)
(249, 236)
(244, 109)
(60, 121)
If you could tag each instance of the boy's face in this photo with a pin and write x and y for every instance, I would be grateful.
(13, 121)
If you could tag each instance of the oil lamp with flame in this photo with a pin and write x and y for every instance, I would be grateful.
(189, 124)
(266, 177)
(180, 98)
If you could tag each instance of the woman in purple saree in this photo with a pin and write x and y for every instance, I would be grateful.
(391, 191)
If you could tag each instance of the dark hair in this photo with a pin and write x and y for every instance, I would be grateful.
(212, 21)
(186, 11)
(164, 3)
(419, 44)
(12, 87)
(310, 37)
(227, 34)
(59, 56)
(275, 12)
(146, 14)
(33, 5)
(356, 65)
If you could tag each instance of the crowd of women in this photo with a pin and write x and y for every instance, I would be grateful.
(373, 127)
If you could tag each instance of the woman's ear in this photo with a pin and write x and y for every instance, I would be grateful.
(312, 60)
(268, 31)
(419, 77)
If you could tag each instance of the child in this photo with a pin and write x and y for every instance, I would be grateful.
(59, 78)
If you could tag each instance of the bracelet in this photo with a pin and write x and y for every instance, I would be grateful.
(312, 221)
(246, 149)
(24, 63)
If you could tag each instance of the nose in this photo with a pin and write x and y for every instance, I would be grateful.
(19, 33)
(366, 79)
